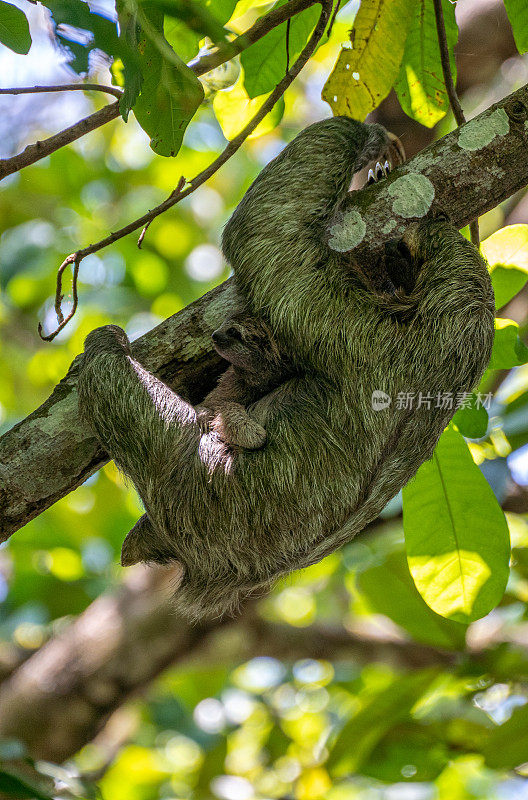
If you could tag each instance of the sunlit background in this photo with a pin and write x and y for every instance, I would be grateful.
(247, 713)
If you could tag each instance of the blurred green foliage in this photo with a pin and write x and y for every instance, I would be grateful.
(224, 726)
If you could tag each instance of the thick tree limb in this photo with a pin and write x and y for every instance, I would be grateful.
(464, 174)
(50, 453)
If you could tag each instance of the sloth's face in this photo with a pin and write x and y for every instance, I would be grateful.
(246, 347)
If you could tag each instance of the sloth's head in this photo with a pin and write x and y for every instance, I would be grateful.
(248, 344)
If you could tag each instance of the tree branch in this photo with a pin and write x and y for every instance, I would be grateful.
(39, 150)
(464, 174)
(64, 87)
(454, 102)
(50, 453)
(262, 26)
(34, 152)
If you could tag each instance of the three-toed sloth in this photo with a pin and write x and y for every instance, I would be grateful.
(235, 518)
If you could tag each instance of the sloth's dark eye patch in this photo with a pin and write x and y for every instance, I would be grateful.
(404, 251)
(233, 333)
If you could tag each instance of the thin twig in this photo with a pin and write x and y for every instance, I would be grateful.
(34, 152)
(177, 190)
(332, 21)
(65, 87)
(225, 155)
(451, 92)
(261, 27)
(288, 28)
(63, 320)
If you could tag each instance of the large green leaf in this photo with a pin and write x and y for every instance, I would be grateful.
(365, 73)
(14, 29)
(457, 539)
(518, 16)
(365, 729)
(264, 62)
(507, 254)
(170, 93)
(507, 746)
(400, 601)
(197, 16)
(508, 349)
(221, 9)
(420, 84)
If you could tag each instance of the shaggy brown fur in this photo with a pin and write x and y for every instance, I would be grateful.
(236, 518)
(256, 367)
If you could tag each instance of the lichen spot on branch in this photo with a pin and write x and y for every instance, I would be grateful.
(389, 226)
(412, 195)
(481, 131)
(347, 231)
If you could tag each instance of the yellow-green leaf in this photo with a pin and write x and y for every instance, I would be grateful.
(457, 539)
(367, 727)
(508, 349)
(234, 109)
(420, 85)
(365, 73)
(518, 16)
(507, 254)
(170, 92)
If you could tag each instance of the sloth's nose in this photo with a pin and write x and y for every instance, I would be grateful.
(218, 337)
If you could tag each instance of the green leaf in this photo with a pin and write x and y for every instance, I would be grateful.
(195, 15)
(507, 746)
(472, 419)
(507, 254)
(13, 786)
(264, 62)
(14, 29)
(518, 16)
(405, 745)
(366, 728)
(508, 349)
(457, 539)
(364, 74)
(401, 602)
(420, 84)
(507, 282)
(234, 109)
(221, 9)
(170, 93)
(183, 41)
(77, 14)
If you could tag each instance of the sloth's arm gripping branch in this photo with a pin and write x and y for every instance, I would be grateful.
(463, 175)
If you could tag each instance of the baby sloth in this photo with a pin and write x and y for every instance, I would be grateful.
(256, 367)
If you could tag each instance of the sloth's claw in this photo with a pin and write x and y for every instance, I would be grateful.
(371, 178)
